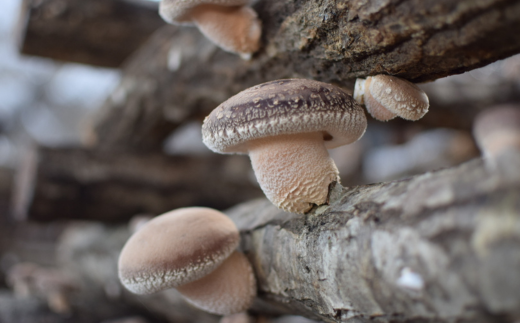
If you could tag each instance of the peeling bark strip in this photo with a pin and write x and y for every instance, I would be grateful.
(179, 75)
(439, 247)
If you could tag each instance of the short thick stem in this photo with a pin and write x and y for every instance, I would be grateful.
(229, 289)
(234, 29)
(294, 171)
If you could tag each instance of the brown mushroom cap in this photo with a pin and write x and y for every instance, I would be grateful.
(374, 107)
(386, 97)
(176, 248)
(399, 96)
(284, 107)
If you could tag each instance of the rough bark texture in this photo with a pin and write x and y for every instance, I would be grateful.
(178, 74)
(84, 184)
(458, 229)
(95, 32)
(439, 247)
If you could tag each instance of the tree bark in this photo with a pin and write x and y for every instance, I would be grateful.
(439, 247)
(443, 246)
(95, 32)
(84, 184)
(179, 75)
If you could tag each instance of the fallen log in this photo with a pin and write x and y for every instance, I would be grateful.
(438, 247)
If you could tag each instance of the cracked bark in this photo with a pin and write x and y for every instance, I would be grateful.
(363, 258)
(439, 247)
(179, 75)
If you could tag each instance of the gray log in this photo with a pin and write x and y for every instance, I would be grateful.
(179, 75)
(439, 247)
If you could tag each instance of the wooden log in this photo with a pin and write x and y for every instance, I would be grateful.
(179, 75)
(443, 246)
(439, 247)
(83, 184)
(95, 32)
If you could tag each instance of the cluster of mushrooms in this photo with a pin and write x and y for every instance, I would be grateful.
(286, 127)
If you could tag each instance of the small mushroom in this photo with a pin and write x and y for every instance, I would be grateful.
(191, 249)
(286, 127)
(497, 130)
(231, 24)
(387, 97)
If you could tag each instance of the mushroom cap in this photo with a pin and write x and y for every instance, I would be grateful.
(176, 248)
(377, 110)
(179, 11)
(399, 96)
(284, 107)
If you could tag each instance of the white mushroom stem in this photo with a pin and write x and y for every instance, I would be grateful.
(229, 289)
(294, 171)
(234, 29)
(359, 91)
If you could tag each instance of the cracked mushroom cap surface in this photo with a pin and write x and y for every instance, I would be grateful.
(179, 11)
(284, 107)
(176, 248)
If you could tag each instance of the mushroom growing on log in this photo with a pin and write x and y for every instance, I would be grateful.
(286, 127)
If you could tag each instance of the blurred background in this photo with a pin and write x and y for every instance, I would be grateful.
(69, 199)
